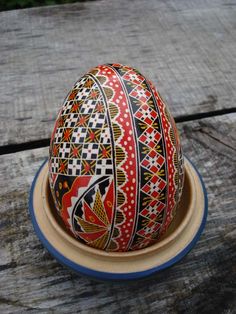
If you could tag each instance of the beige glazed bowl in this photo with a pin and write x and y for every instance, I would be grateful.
(181, 236)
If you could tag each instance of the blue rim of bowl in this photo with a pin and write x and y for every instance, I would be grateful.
(107, 275)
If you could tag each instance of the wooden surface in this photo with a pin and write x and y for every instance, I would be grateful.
(204, 281)
(188, 49)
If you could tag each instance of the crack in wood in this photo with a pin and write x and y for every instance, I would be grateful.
(7, 266)
(13, 148)
(204, 115)
(16, 304)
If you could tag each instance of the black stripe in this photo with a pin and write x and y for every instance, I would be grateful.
(113, 150)
(164, 151)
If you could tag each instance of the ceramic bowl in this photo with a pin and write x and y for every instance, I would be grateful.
(181, 236)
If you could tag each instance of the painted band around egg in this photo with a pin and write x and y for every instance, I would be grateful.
(115, 166)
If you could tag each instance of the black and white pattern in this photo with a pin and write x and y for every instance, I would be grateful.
(79, 135)
(71, 120)
(84, 138)
(81, 82)
(64, 150)
(66, 109)
(74, 167)
(104, 167)
(58, 135)
(83, 93)
(88, 106)
(96, 120)
(105, 136)
(90, 151)
(54, 164)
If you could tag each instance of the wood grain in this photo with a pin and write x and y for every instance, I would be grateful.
(186, 47)
(203, 282)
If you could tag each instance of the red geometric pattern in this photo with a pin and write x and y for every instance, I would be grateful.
(141, 94)
(134, 77)
(128, 166)
(153, 209)
(150, 137)
(149, 229)
(153, 161)
(171, 149)
(146, 114)
(154, 186)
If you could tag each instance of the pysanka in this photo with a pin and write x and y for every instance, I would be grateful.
(115, 165)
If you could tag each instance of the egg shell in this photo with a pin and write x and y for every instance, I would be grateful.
(115, 164)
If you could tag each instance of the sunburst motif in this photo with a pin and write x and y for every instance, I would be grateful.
(95, 223)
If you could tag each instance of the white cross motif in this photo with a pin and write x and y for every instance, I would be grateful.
(90, 151)
(105, 136)
(96, 121)
(64, 150)
(54, 164)
(71, 120)
(104, 167)
(79, 135)
(58, 135)
(74, 167)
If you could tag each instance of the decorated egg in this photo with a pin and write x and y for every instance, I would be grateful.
(115, 164)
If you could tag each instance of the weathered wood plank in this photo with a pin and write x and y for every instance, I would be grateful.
(187, 48)
(204, 281)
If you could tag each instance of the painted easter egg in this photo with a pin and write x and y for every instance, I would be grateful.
(115, 164)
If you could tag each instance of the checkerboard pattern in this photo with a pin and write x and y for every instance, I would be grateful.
(71, 120)
(64, 150)
(74, 167)
(105, 136)
(90, 151)
(104, 167)
(82, 142)
(83, 93)
(88, 106)
(79, 135)
(96, 120)
(58, 135)
(54, 164)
